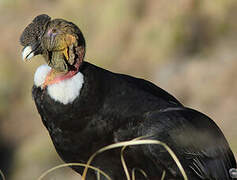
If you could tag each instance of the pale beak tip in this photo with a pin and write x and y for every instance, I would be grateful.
(27, 53)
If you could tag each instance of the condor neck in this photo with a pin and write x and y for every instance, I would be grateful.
(63, 88)
(54, 76)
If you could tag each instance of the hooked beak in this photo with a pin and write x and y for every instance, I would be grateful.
(30, 51)
(27, 53)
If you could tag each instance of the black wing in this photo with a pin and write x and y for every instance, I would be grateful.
(196, 140)
(151, 88)
(122, 82)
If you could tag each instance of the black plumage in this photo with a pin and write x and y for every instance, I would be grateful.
(115, 107)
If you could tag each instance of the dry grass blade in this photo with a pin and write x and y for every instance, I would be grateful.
(2, 175)
(123, 160)
(72, 164)
(124, 164)
(140, 170)
(137, 142)
(163, 175)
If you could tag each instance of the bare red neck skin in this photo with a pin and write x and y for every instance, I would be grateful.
(53, 77)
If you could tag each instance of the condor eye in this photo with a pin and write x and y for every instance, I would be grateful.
(54, 30)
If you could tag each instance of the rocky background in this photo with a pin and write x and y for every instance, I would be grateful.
(187, 47)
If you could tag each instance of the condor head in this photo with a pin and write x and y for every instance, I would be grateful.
(60, 42)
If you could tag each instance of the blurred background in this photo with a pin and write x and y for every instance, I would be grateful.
(187, 47)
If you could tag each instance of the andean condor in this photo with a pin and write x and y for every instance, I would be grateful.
(85, 107)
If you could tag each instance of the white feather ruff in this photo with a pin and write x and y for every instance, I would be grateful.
(40, 74)
(65, 91)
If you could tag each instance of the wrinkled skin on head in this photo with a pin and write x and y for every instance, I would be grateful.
(60, 42)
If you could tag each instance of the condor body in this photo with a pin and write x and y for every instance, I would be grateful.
(85, 107)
